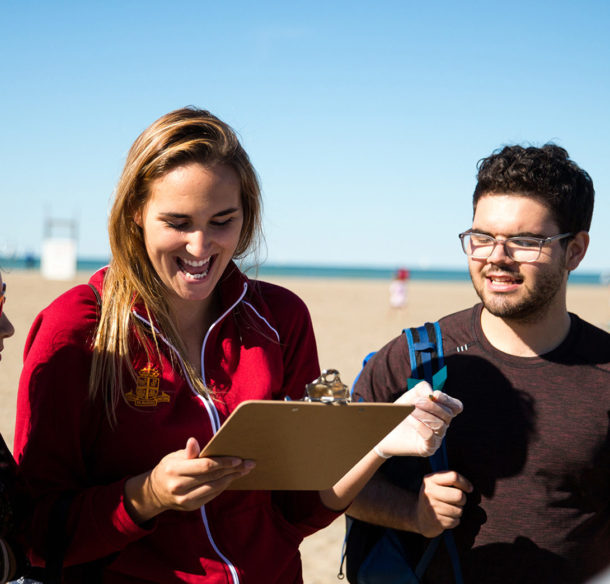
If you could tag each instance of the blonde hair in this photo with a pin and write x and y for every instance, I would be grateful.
(185, 136)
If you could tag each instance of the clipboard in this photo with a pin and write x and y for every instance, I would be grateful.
(299, 445)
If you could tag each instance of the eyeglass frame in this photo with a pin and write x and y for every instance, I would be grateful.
(2, 298)
(541, 241)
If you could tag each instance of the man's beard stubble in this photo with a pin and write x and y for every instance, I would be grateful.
(533, 304)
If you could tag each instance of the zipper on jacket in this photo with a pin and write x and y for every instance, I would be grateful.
(214, 422)
(215, 428)
(277, 335)
(209, 405)
(224, 558)
(205, 339)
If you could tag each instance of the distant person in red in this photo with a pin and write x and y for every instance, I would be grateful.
(398, 288)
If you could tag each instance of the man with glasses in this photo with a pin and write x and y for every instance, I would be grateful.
(528, 490)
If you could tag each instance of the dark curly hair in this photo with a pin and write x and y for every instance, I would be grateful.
(546, 174)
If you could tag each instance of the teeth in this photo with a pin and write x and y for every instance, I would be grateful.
(195, 269)
(502, 280)
(196, 264)
(196, 276)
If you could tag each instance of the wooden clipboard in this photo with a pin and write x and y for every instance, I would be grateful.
(302, 445)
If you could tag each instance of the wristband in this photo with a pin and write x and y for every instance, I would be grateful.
(378, 452)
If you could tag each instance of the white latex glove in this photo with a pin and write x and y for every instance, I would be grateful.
(421, 432)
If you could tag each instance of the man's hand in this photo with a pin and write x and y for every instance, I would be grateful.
(441, 502)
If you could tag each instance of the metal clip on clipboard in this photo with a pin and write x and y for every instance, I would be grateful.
(328, 389)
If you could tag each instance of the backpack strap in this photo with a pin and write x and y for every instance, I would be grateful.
(425, 345)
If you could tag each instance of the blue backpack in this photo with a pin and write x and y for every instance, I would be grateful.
(379, 555)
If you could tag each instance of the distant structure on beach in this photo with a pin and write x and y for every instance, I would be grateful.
(58, 257)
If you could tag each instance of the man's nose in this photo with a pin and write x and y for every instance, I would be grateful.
(498, 253)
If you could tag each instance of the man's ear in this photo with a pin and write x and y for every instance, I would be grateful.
(576, 249)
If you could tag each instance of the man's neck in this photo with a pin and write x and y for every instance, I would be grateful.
(527, 337)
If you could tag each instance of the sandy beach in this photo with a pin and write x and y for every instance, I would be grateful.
(351, 318)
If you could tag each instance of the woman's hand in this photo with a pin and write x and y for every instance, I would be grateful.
(421, 433)
(182, 481)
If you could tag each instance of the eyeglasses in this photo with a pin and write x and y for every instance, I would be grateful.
(2, 298)
(520, 249)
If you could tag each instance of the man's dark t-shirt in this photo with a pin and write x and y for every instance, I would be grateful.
(533, 439)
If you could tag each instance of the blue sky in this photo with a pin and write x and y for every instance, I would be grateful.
(365, 120)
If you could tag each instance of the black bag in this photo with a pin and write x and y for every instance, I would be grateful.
(13, 504)
(380, 555)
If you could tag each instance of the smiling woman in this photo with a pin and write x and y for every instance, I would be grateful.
(126, 377)
(186, 179)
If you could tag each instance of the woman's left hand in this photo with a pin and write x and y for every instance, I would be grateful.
(422, 432)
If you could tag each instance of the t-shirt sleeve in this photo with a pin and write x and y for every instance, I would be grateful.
(55, 423)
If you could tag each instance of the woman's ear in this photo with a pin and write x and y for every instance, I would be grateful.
(576, 249)
(138, 217)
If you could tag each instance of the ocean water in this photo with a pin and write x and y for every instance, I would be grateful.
(369, 273)
(436, 274)
(313, 271)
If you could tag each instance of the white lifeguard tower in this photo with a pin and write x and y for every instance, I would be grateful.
(58, 257)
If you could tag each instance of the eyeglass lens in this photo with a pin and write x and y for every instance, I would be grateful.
(522, 249)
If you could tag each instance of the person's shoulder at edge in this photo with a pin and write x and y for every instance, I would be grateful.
(71, 317)
(590, 344)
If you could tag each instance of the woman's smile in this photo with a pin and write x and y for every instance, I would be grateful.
(191, 224)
